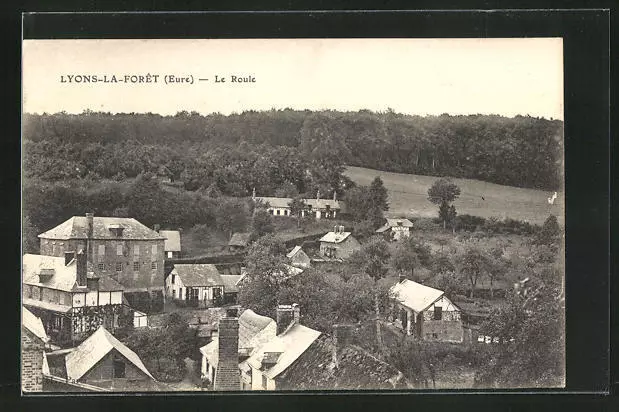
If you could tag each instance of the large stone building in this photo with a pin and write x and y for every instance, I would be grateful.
(121, 248)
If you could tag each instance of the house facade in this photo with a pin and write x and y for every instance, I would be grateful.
(121, 248)
(338, 244)
(198, 285)
(172, 243)
(318, 208)
(426, 313)
(396, 229)
(34, 341)
(101, 362)
(71, 300)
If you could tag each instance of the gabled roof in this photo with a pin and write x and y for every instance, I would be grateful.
(250, 325)
(85, 356)
(394, 223)
(239, 239)
(415, 295)
(33, 324)
(64, 277)
(77, 228)
(356, 369)
(230, 282)
(289, 345)
(293, 252)
(198, 274)
(333, 237)
(172, 241)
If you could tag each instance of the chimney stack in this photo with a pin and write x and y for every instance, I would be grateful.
(253, 193)
(228, 375)
(157, 227)
(90, 218)
(335, 195)
(318, 195)
(287, 315)
(402, 277)
(341, 338)
(68, 257)
(81, 268)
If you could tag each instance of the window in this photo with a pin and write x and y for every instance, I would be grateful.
(119, 267)
(101, 266)
(173, 278)
(40, 293)
(119, 368)
(136, 250)
(438, 313)
(435, 335)
(286, 212)
(278, 212)
(119, 250)
(101, 250)
(136, 266)
(271, 211)
(264, 382)
(153, 265)
(154, 249)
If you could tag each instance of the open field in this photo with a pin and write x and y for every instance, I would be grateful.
(408, 196)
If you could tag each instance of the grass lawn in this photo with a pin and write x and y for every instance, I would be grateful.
(408, 197)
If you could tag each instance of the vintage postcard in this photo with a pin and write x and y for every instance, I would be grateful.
(292, 214)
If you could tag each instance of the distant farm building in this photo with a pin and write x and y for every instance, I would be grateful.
(172, 243)
(319, 208)
(396, 229)
(338, 244)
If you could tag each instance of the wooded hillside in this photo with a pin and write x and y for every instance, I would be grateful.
(519, 151)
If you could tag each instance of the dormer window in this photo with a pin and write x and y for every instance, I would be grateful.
(45, 275)
(116, 230)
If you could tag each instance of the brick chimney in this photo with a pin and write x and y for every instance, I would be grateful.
(287, 315)
(82, 266)
(228, 375)
(156, 228)
(335, 195)
(90, 219)
(318, 195)
(341, 337)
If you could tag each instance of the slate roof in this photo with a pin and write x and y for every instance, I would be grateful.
(239, 239)
(33, 324)
(356, 369)
(415, 295)
(77, 228)
(293, 252)
(230, 283)
(250, 325)
(198, 274)
(172, 241)
(290, 346)
(394, 223)
(333, 237)
(283, 202)
(85, 356)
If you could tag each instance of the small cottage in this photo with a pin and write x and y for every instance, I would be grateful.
(101, 362)
(34, 341)
(238, 242)
(396, 229)
(198, 285)
(338, 244)
(298, 258)
(316, 207)
(425, 312)
(172, 243)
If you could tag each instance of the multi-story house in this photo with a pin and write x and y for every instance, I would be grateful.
(69, 298)
(122, 248)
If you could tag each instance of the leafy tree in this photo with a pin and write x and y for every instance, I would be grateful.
(287, 189)
(297, 207)
(266, 271)
(474, 264)
(413, 361)
(550, 232)
(498, 267)
(531, 329)
(364, 229)
(231, 215)
(262, 223)
(29, 238)
(378, 195)
(404, 259)
(442, 193)
(451, 217)
(372, 259)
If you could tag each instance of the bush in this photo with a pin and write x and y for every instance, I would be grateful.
(427, 225)
(166, 369)
(469, 223)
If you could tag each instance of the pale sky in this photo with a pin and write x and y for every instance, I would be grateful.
(411, 76)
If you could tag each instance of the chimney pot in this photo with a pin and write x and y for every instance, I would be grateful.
(156, 228)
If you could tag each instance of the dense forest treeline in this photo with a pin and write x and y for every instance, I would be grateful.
(273, 148)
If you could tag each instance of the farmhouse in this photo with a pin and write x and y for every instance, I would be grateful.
(333, 363)
(101, 362)
(396, 229)
(34, 341)
(280, 352)
(172, 243)
(238, 242)
(122, 248)
(298, 258)
(253, 331)
(425, 312)
(319, 208)
(198, 285)
(338, 244)
(69, 297)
